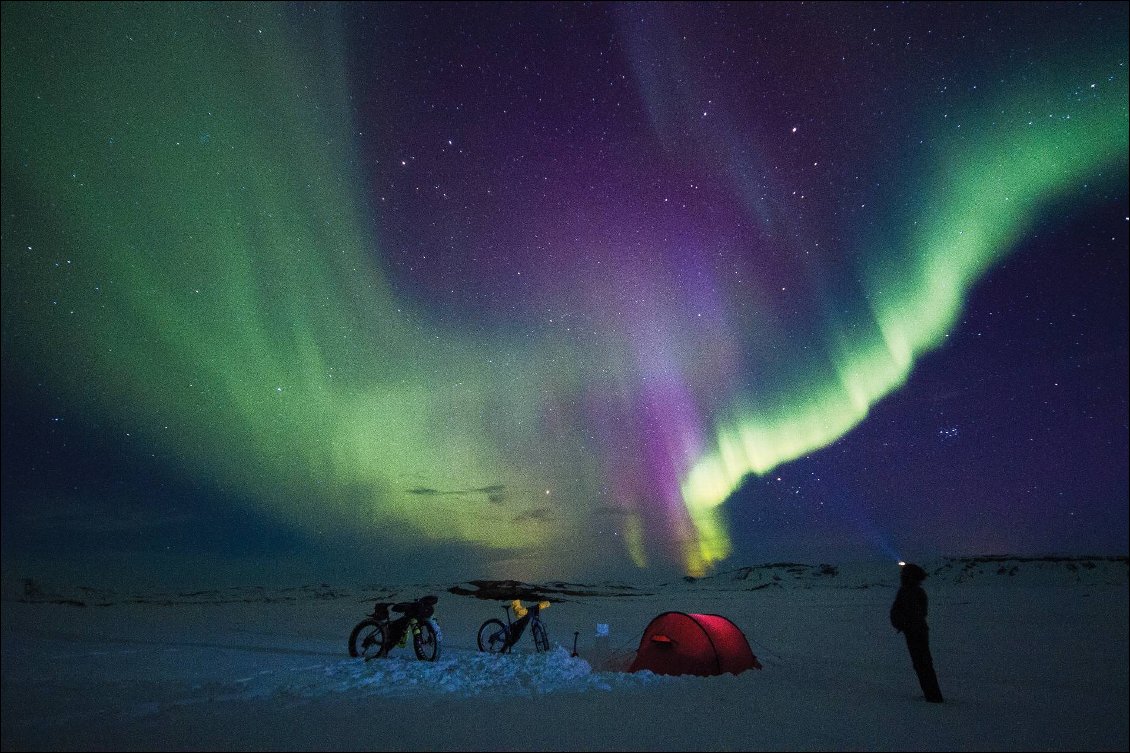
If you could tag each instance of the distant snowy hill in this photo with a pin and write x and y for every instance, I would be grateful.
(997, 570)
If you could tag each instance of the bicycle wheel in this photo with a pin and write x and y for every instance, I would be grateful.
(541, 639)
(492, 636)
(367, 639)
(426, 642)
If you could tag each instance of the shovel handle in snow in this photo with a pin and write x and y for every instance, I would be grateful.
(575, 634)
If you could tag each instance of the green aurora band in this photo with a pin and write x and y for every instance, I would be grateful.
(186, 256)
(986, 193)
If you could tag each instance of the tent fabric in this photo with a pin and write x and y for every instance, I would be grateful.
(679, 643)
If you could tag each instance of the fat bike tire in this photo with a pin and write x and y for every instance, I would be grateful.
(492, 636)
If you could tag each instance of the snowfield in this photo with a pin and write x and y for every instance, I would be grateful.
(1031, 655)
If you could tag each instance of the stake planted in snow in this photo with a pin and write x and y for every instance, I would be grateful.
(575, 634)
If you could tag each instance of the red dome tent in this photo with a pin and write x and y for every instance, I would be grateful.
(677, 643)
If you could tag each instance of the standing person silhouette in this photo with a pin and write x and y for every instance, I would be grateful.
(908, 616)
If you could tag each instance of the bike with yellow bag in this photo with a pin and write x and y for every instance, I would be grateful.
(498, 637)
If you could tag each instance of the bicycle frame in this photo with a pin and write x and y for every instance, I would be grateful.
(502, 639)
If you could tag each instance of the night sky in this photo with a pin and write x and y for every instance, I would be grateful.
(563, 290)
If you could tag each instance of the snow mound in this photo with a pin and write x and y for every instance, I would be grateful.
(456, 673)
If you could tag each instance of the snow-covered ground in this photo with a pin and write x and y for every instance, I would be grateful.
(1032, 654)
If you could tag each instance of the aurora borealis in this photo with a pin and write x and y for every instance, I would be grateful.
(551, 289)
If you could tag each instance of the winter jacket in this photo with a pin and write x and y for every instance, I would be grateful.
(908, 613)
